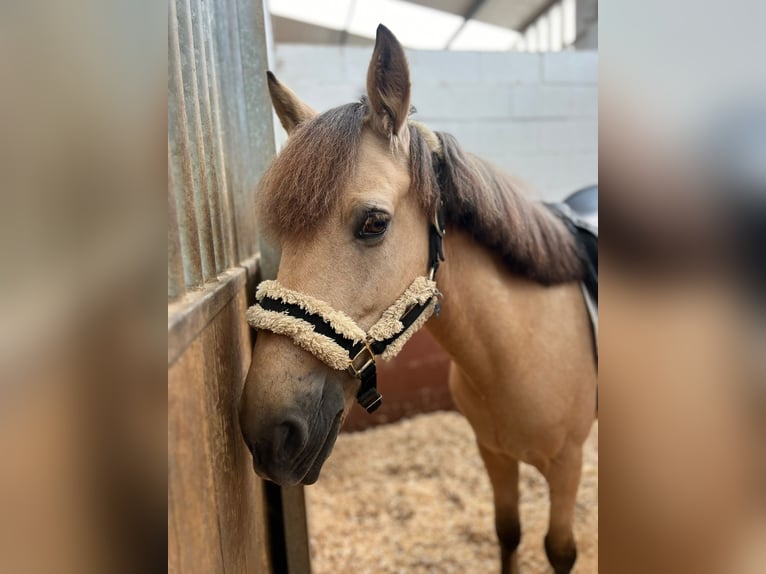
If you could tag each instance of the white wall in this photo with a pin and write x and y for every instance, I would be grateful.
(534, 115)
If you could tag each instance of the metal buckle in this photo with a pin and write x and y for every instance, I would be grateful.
(371, 400)
(352, 368)
(437, 224)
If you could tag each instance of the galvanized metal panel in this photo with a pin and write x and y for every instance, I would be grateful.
(196, 145)
(179, 157)
(208, 160)
(219, 160)
(176, 286)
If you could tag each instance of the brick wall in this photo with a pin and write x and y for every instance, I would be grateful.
(534, 115)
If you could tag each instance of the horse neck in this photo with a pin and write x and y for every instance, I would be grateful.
(485, 309)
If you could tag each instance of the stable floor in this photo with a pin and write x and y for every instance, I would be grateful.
(413, 497)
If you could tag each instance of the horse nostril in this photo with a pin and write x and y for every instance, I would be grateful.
(290, 437)
(253, 451)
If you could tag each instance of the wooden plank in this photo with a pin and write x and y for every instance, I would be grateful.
(191, 492)
(224, 372)
(259, 560)
(227, 505)
(174, 543)
(189, 316)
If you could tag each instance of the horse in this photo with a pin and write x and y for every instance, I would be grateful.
(366, 205)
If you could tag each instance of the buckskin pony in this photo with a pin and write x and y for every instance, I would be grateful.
(366, 205)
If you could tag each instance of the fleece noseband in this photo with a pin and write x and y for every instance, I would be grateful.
(335, 339)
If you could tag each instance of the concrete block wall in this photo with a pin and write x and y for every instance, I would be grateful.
(533, 115)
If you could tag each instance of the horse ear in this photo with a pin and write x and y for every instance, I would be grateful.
(388, 84)
(291, 110)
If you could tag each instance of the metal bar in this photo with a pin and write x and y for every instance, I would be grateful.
(246, 239)
(258, 107)
(232, 113)
(175, 265)
(225, 211)
(209, 162)
(197, 148)
(470, 13)
(179, 159)
(259, 132)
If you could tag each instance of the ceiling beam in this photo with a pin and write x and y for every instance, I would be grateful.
(535, 15)
(467, 15)
(349, 15)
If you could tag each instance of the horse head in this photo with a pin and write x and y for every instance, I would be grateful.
(349, 199)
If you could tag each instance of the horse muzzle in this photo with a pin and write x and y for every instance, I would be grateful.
(290, 443)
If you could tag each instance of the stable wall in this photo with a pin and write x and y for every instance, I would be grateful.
(533, 115)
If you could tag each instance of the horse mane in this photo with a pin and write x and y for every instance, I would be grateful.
(480, 199)
(307, 179)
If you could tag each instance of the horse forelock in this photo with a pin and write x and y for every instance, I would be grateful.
(307, 179)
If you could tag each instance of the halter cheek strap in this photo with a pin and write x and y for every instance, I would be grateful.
(335, 339)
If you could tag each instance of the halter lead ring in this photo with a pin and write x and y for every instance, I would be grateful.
(335, 339)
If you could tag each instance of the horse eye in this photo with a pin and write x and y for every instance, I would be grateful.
(374, 225)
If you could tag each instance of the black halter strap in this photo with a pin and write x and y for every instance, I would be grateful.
(363, 354)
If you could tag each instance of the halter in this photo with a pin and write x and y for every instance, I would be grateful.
(335, 339)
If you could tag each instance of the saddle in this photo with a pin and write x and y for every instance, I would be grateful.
(579, 212)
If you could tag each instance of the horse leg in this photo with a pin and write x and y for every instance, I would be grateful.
(563, 476)
(504, 474)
